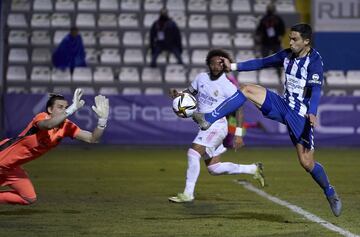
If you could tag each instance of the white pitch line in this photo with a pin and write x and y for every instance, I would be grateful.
(298, 210)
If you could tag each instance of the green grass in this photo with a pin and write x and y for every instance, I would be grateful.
(123, 192)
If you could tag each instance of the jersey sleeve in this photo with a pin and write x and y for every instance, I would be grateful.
(70, 129)
(314, 82)
(275, 60)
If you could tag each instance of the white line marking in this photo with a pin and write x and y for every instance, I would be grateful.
(297, 209)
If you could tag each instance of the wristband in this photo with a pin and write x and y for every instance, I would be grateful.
(70, 110)
(240, 132)
(102, 122)
(233, 67)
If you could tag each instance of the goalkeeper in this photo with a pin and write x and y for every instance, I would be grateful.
(43, 133)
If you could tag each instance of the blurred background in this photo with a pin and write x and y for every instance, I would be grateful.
(113, 57)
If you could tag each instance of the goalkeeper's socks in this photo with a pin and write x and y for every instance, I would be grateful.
(226, 107)
(319, 175)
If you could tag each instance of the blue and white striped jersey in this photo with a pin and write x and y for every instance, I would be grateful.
(303, 78)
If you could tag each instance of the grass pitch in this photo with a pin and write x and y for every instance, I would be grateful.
(123, 192)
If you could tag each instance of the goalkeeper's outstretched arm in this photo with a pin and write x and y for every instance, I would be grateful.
(101, 108)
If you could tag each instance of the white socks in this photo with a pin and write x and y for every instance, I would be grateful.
(231, 168)
(192, 172)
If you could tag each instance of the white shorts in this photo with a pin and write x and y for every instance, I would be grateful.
(213, 138)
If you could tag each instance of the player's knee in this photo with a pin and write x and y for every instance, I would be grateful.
(212, 169)
(307, 164)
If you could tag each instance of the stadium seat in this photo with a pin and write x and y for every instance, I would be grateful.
(131, 91)
(247, 77)
(246, 22)
(16, 90)
(198, 21)
(219, 6)
(109, 5)
(243, 55)
(130, 5)
(108, 91)
(129, 74)
(221, 40)
(197, 5)
(16, 73)
(65, 5)
(175, 74)
(16, 21)
(241, 6)
(39, 90)
(109, 38)
(285, 6)
(132, 38)
(87, 5)
(41, 55)
(103, 75)
(220, 22)
(40, 38)
(132, 56)
(198, 56)
(18, 37)
(335, 78)
(128, 20)
(197, 39)
(62, 90)
(356, 93)
(88, 90)
(61, 76)
(20, 5)
(17, 55)
(177, 5)
(107, 20)
(269, 77)
(151, 75)
(194, 72)
(179, 17)
(110, 56)
(149, 19)
(88, 37)
(260, 5)
(82, 74)
(153, 5)
(59, 35)
(42, 5)
(91, 56)
(336, 92)
(353, 77)
(154, 91)
(59, 20)
(244, 40)
(40, 20)
(85, 20)
(40, 74)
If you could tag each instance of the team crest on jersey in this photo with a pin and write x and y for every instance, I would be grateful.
(216, 93)
(315, 78)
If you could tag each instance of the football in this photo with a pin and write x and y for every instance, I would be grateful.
(184, 105)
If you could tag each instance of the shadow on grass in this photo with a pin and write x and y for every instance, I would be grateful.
(28, 212)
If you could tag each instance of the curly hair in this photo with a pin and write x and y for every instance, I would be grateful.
(217, 52)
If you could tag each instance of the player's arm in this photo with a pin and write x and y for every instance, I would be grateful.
(239, 131)
(55, 121)
(102, 111)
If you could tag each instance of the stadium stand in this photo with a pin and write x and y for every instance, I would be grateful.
(116, 39)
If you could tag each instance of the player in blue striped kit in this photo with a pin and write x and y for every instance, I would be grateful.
(296, 108)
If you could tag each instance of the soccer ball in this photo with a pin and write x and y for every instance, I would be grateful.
(184, 105)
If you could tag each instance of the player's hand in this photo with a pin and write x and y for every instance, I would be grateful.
(77, 102)
(101, 107)
(226, 64)
(174, 93)
(312, 119)
(238, 142)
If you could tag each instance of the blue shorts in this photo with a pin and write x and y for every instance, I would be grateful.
(300, 130)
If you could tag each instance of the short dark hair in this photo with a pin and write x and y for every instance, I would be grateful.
(217, 52)
(52, 98)
(304, 30)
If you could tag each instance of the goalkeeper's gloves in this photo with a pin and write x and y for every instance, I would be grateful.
(101, 109)
(77, 102)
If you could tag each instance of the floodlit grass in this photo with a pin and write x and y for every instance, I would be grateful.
(123, 192)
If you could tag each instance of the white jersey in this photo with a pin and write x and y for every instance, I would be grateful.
(211, 93)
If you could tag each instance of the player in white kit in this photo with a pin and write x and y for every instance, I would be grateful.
(211, 89)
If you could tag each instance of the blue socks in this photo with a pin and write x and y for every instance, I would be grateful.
(319, 175)
(228, 106)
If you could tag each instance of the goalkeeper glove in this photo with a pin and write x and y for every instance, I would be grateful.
(102, 110)
(77, 102)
